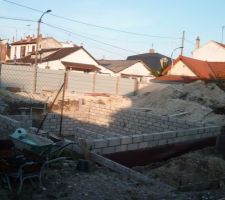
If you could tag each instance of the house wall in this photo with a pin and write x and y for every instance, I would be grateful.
(49, 43)
(54, 65)
(80, 56)
(181, 69)
(43, 44)
(136, 69)
(15, 50)
(210, 52)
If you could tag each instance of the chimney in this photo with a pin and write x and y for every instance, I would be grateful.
(197, 43)
(151, 50)
(29, 38)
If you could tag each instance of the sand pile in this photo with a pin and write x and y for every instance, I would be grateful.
(197, 102)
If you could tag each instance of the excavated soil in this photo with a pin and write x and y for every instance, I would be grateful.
(198, 175)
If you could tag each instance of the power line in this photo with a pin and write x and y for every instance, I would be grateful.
(67, 31)
(94, 25)
(17, 19)
(89, 38)
(190, 42)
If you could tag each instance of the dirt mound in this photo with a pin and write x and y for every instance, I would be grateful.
(197, 102)
(189, 169)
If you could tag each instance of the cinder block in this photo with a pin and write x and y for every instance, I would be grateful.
(126, 140)
(108, 150)
(132, 146)
(162, 142)
(157, 136)
(115, 141)
(137, 138)
(97, 151)
(147, 137)
(121, 148)
(143, 145)
(100, 143)
(153, 143)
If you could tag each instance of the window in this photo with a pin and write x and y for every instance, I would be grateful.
(33, 48)
(22, 51)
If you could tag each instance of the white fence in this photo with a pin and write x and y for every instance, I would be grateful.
(19, 76)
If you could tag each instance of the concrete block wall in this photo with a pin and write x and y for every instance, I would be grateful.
(8, 126)
(106, 119)
(25, 120)
(134, 142)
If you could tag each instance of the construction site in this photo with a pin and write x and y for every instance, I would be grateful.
(158, 144)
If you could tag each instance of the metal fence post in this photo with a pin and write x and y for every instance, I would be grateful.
(0, 75)
(117, 85)
(94, 82)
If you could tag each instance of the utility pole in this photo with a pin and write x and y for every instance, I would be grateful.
(182, 43)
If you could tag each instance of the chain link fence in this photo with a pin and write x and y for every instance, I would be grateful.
(22, 76)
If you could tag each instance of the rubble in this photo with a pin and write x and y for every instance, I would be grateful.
(195, 102)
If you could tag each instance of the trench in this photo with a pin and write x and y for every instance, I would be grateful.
(219, 110)
(147, 156)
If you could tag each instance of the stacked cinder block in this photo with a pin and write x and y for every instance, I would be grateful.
(26, 120)
(8, 126)
(134, 142)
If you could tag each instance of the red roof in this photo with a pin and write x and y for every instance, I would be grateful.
(202, 69)
(171, 78)
(80, 66)
(25, 41)
(61, 53)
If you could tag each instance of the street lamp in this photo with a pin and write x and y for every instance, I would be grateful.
(172, 55)
(36, 52)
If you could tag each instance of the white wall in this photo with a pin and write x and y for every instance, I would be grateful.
(180, 69)
(49, 43)
(80, 56)
(43, 44)
(17, 48)
(210, 52)
(136, 69)
(55, 65)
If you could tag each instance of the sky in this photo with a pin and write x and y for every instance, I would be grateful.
(166, 19)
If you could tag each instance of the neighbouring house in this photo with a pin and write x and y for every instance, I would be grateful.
(211, 51)
(154, 61)
(127, 68)
(26, 46)
(71, 58)
(187, 69)
(4, 50)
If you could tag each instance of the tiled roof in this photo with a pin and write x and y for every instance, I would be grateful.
(80, 66)
(152, 60)
(202, 69)
(171, 78)
(61, 53)
(30, 40)
(25, 41)
(117, 65)
(218, 69)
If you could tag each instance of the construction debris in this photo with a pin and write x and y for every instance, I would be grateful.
(195, 102)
